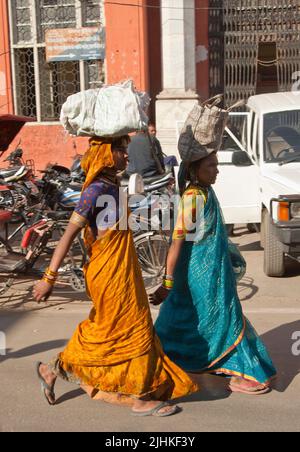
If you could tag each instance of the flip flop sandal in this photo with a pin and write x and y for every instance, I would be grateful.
(255, 392)
(45, 387)
(155, 411)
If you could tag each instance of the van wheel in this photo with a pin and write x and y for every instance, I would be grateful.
(262, 229)
(274, 258)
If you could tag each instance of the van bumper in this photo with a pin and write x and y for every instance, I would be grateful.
(289, 236)
(288, 232)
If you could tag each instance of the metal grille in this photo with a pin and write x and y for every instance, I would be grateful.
(245, 25)
(58, 81)
(40, 88)
(22, 32)
(95, 74)
(216, 47)
(25, 81)
(288, 55)
(91, 13)
(241, 53)
(55, 14)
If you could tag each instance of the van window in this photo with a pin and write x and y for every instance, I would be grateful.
(281, 136)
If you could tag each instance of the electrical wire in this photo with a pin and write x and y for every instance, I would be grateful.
(5, 105)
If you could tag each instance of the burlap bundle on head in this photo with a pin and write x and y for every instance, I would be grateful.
(203, 130)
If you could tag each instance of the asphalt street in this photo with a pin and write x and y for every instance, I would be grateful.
(35, 332)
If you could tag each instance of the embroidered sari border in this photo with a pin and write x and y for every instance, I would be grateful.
(237, 342)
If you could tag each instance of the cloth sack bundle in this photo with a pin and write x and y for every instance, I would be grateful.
(203, 130)
(110, 111)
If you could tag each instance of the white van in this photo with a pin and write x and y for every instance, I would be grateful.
(259, 179)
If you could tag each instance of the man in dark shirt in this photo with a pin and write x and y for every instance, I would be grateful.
(145, 156)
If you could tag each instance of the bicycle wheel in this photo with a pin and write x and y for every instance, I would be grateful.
(76, 256)
(152, 250)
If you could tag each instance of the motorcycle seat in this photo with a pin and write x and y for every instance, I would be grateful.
(5, 216)
(58, 215)
(75, 187)
(8, 172)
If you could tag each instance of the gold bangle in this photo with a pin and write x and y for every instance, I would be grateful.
(49, 281)
(49, 276)
(168, 284)
(49, 272)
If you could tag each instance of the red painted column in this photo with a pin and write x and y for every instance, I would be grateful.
(202, 48)
(6, 101)
(127, 54)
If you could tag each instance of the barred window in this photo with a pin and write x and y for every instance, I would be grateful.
(40, 87)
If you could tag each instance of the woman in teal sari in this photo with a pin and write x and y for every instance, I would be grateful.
(201, 323)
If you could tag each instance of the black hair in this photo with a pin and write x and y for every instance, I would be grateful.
(119, 142)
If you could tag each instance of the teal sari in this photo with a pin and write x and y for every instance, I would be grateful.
(201, 324)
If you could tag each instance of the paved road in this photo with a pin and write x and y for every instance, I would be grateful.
(32, 333)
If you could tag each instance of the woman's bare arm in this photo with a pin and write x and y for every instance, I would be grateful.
(42, 289)
(173, 256)
(64, 246)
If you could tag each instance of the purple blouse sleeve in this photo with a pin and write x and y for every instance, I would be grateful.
(88, 201)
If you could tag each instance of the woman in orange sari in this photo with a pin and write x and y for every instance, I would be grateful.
(116, 350)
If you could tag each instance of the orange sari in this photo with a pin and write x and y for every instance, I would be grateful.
(116, 350)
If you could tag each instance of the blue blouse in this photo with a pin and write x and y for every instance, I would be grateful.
(99, 205)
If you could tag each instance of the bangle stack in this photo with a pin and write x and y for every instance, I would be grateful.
(168, 282)
(50, 277)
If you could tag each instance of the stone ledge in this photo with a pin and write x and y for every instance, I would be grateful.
(177, 94)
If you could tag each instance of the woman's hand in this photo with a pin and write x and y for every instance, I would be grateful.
(42, 291)
(159, 296)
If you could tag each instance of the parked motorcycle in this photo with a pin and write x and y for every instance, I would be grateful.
(18, 189)
(57, 190)
(43, 229)
(40, 239)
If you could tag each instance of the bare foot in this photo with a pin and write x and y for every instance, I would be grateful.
(247, 386)
(50, 379)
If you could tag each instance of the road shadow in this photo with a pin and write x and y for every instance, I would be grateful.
(212, 388)
(17, 299)
(70, 396)
(254, 246)
(279, 343)
(247, 289)
(292, 268)
(33, 350)
(241, 232)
